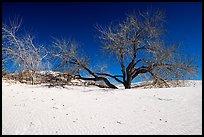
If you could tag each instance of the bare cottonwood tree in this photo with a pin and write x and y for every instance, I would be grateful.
(21, 48)
(68, 52)
(137, 45)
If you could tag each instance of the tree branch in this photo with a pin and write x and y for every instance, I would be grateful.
(115, 77)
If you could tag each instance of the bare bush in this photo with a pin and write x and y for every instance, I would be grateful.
(21, 49)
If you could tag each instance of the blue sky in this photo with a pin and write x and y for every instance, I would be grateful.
(77, 20)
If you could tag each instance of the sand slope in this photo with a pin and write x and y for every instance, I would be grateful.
(30, 109)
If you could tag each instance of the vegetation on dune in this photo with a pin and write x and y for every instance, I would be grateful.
(136, 44)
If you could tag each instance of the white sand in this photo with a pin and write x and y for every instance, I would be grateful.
(30, 109)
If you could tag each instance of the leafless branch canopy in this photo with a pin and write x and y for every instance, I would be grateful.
(20, 48)
(68, 52)
(136, 43)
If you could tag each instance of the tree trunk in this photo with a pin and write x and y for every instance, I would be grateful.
(127, 83)
(109, 84)
(32, 77)
(96, 78)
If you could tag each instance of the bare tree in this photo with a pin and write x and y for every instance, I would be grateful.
(21, 48)
(137, 45)
(68, 52)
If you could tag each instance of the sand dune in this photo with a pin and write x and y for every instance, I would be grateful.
(28, 109)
